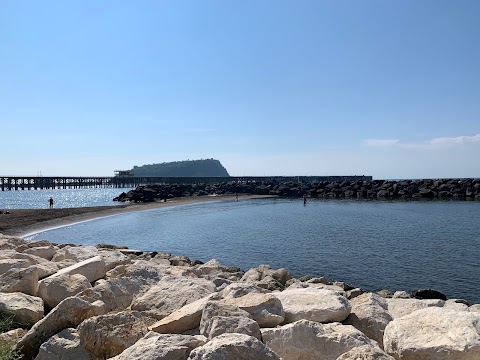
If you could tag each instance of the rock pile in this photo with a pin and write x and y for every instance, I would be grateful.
(82, 302)
(458, 189)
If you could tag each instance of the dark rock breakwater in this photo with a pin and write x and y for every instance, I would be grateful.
(458, 189)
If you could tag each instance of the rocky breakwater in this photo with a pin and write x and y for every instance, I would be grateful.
(74, 302)
(458, 189)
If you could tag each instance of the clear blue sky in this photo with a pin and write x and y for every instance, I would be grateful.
(385, 88)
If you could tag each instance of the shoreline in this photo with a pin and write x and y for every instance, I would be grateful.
(27, 222)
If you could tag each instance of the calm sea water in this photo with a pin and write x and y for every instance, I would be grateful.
(64, 198)
(374, 245)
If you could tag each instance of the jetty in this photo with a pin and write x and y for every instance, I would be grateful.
(79, 182)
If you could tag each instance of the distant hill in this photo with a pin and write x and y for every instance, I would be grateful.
(193, 168)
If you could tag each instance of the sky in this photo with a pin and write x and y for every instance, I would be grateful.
(384, 88)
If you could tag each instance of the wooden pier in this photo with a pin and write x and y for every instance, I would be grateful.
(76, 182)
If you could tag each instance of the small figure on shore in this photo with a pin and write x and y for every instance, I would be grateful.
(51, 202)
(304, 199)
(236, 196)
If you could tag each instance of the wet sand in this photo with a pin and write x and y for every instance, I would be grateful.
(24, 222)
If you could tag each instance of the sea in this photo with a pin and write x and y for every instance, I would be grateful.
(393, 245)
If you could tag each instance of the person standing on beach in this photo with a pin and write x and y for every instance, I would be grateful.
(51, 202)
(304, 199)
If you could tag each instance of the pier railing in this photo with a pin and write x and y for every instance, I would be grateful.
(77, 182)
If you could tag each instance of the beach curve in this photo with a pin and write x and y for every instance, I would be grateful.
(27, 222)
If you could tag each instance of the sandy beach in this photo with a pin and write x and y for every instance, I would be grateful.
(23, 222)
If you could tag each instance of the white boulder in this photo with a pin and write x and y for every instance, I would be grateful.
(108, 335)
(366, 352)
(23, 280)
(186, 318)
(434, 334)
(265, 309)
(65, 345)
(93, 269)
(401, 307)
(45, 252)
(26, 309)
(305, 340)
(233, 346)
(369, 315)
(170, 294)
(68, 314)
(54, 289)
(313, 304)
(154, 346)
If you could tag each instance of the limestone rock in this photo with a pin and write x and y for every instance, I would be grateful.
(313, 304)
(26, 309)
(54, 289)
(213, 267)
(154, 346)
(434, 334)
(265, 309)
(304, 285)
(76, 253)
(186, 318)
(20, 280)
(401, 295)
(46, 269)
(369, 315)
(237, 290)
(218, 325)
(12, 336)
(365, 352)
(401, 307)
(65, 345)
(113, 258)
(304, 340)
(108, 335)
(172, 293)
(213, 309)
(142, 271)
(45, 252)
(116, 294)
(93, 269)
(8, 264)
(10, 242)
(233, 346)
(270, 283)
(456, 304)
(68, 314)
(351, 294)
(474, 308)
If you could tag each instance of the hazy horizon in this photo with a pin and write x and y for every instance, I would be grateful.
(387, 89)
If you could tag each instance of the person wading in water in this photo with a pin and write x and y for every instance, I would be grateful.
(51, 202)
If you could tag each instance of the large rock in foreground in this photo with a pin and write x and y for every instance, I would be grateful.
(313, 304)
(109, 335)
(369, 315)
(54, 289)
(305, 340)
(365, 353)
(93, 269)
(26, 309)
(171, 293)
(266, 309)
(434, 334)
(68, 314)
(155, 346)
(233, 346)
(65, 345)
